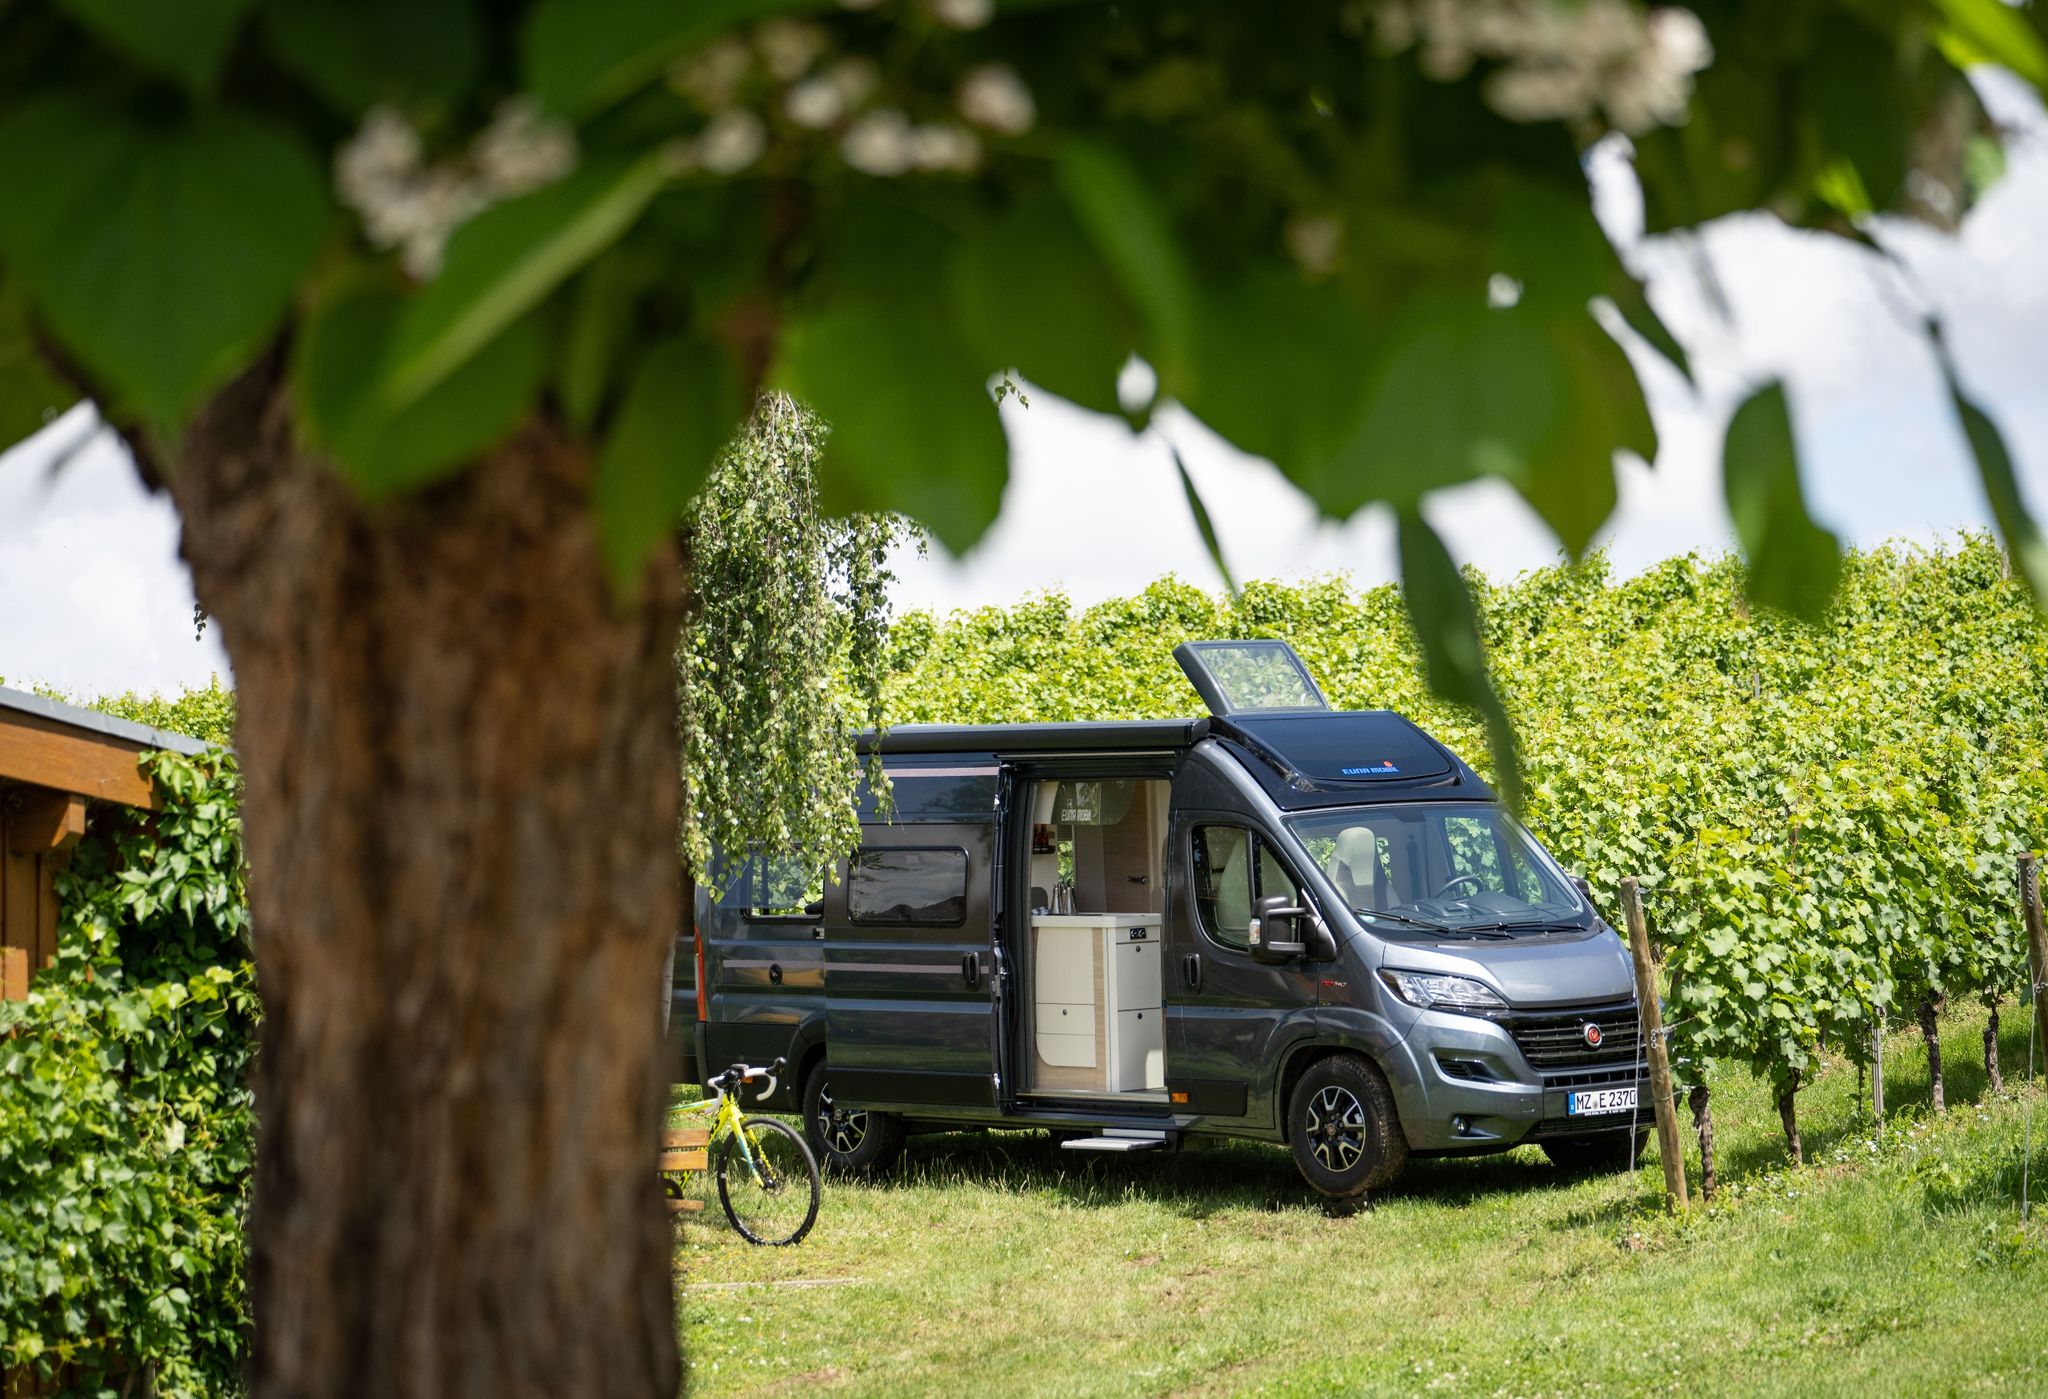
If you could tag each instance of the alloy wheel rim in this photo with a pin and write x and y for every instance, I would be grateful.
(1336, 1128)
(844, 1129)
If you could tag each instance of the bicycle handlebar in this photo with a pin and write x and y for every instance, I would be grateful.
(742, 1073)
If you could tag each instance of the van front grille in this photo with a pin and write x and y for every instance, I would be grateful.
(1557, 1039)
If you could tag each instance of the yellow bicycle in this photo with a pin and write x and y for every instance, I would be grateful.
(767, 1178)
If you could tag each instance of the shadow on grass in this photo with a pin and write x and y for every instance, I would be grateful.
(1205, 1177)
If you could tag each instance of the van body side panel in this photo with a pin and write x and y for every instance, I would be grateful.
(909, 1027)
(765, 982)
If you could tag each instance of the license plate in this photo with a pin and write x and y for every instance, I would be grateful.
(1595, 1101)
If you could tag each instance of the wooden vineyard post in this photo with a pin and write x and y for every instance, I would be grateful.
(1652, 1021)
(2037, 941)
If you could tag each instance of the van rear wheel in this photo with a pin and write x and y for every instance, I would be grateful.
(853, 1141)
(1343, 1130)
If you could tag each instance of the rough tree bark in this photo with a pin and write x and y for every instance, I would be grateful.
(1991, 1069)
(1703, 1122)
(461, 804)
(1788, 1118)
(1930, 1033)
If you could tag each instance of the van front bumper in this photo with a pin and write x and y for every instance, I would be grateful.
(1461, 1083)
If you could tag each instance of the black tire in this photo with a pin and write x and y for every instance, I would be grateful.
(1609, 1151)
(853, 1141)
(1343, 1130)
(774, 1201)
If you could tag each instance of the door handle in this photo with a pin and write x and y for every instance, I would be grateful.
(970, 968)
(1191, 970)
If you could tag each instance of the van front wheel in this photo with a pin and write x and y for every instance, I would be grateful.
(1343, 1129)
(852, 1140)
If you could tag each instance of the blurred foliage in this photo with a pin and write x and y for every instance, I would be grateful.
(1825, 820)
(126, 1123)
(1353, 236)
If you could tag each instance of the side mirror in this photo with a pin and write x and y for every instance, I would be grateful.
(1585, 889)
(815, 909)
(1273, 925)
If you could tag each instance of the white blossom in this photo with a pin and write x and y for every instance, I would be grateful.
(964, 14)
(993, 96)
(879, 143)
(711, 77)
(1314, 241)
(815, 103)
(1502, 291)
(521, 151)
(733, 141)
(790, 46)
(944, 147)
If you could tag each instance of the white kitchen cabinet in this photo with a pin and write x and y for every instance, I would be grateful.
(1100, 1026)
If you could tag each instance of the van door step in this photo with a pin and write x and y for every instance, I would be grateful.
(1116, 1139)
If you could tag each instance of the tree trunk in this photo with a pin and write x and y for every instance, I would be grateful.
(1703, 1122)
(1930, 1032)
(1991, 1071)
(1790, 1120)
(460, 757)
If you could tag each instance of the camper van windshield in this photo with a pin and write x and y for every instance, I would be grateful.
(1463, 868)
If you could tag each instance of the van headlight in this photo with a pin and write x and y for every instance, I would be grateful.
(1435, 992)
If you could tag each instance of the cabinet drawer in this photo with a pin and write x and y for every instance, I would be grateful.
(1055, 1019)
(1067, 1051)
(1065, 969)
(1134, 976)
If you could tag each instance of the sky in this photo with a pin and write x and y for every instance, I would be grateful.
(1098, 512)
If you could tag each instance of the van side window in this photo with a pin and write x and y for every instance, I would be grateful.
(1232, 870)
(922, 888)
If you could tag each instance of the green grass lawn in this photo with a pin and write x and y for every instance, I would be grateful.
(992, 1263)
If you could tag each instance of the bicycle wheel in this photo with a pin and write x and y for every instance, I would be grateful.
(774, 1200)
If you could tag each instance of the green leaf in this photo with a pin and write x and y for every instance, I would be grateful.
(1991, 31)
(913, 427)
(1643, 319)
(1447, 626)
(1858, 100)
(680, 410)
(1136, 239)
(1794, 564)
(1461, 392)
(182, 39)
(1032, 296)
(583, 55)
(502, 263)
(2001, 484)
(358, 53)
(162, 256)
(1569, 478)
(1202, 521)
(600, 316)
(334, 379)
(30, 395)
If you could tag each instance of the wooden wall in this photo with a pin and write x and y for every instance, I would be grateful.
(28, 914)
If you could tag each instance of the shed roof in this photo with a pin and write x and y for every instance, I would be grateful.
(77, 752)
(91, 720)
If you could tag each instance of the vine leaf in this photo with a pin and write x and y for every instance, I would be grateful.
(186, 40)
(334, 394)
(1794, 563)
(504, 261)
(1447, 626)
(2001, 483)
(163, 256)
(678, 412)
(1991, 31)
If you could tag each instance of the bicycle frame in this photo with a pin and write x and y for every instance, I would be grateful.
(729, 1121)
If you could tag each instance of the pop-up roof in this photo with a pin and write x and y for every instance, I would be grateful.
(1244, 677)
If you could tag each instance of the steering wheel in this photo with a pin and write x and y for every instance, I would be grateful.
(1474, 880)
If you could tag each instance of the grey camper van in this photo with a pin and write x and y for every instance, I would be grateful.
(1279, 922)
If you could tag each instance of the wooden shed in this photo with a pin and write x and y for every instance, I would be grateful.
(54, 760)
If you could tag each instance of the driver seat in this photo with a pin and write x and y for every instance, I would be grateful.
(1354, 868)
